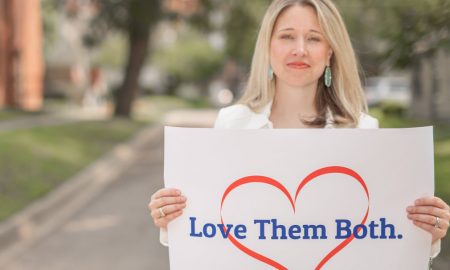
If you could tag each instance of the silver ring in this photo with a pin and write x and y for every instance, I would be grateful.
(438, 221)
(161, 212)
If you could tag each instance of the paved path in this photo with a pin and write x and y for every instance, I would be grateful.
(113, 232)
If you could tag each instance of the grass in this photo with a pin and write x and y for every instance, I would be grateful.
(33, 162)
(441, 156)
(12, 114)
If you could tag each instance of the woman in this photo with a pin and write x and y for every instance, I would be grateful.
(304, 75)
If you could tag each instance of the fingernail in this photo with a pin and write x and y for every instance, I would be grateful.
(178, 192)
(409, 208)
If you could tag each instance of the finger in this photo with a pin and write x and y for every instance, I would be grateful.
(156, 214)
(431, 220)
(436, 233)
(429, 210)
(425, 226)
(163, 201)
(162, 222)
(444, 224)
(435, 201)
(165, 192)
(167, 210)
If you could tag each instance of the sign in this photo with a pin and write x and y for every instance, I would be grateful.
(298, 198)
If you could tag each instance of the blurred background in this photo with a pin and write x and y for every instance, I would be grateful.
(79, 77)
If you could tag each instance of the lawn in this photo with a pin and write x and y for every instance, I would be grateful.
(34, 161)
(11, 114)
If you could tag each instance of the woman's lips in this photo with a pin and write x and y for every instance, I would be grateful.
(298, 65)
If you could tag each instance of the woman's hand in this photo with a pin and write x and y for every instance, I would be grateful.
(431, 214)
(165, 205)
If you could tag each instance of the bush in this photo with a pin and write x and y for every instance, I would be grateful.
(393, 109)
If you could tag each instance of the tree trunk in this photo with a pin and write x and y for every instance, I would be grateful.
(143, 14)
(434, 86)
(129, 88)
(416, 86)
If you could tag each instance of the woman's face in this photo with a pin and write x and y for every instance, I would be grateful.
(299, 52)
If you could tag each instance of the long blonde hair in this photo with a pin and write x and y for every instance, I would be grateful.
(345, 98)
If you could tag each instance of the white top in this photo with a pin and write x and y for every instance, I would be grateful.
(240, 116)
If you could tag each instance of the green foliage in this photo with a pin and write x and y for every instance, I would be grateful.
(49, 10)
(112, 52)
(242, 28)
(409, 28)
(393, 109)
(201, 20)
(190, 59)
(241, 25)
(122, 15)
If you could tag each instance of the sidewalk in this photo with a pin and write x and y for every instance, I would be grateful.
(111, 231)
(101, 227)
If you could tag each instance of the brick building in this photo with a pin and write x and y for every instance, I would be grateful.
(21, 56)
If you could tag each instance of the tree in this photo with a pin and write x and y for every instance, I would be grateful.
(241, 20)
(415, 32)
(143, 15)
(136, 18)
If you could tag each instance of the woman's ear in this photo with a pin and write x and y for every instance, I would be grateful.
(330, 54)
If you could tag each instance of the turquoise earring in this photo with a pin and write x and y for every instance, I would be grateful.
(328, 77)
(270, 73)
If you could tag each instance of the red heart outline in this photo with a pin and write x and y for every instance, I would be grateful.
(306, 180)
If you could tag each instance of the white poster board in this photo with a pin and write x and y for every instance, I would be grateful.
(298, 198)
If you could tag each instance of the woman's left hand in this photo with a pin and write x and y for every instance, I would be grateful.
(431, 214)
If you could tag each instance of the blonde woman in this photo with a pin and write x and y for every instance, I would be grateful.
(304, 74)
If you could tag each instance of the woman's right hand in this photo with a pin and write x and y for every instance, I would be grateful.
(165, 205)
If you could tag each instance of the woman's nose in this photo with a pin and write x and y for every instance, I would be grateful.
(300, 48)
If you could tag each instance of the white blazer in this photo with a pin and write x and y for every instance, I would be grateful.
(240, 116)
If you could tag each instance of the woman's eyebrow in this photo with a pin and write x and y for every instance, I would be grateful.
(315, 31)
(286, 29)
(292, 29)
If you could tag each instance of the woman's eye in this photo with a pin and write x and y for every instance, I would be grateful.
(315, 39)
(287, 37)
